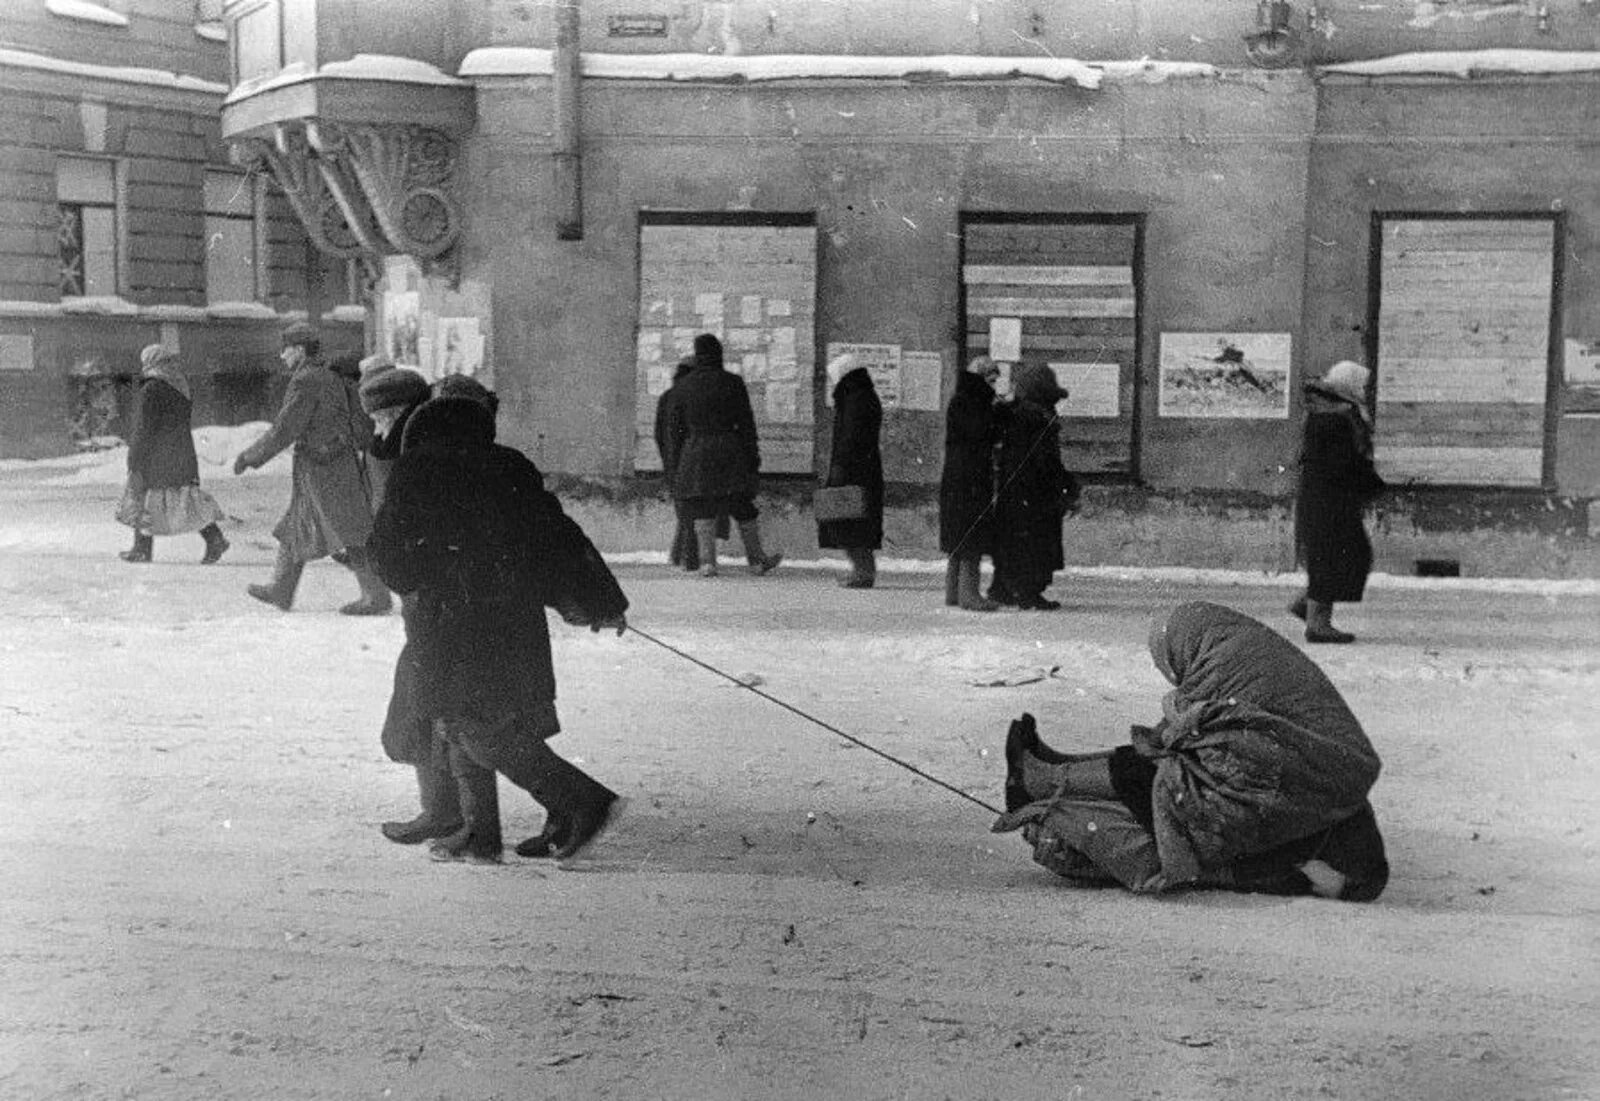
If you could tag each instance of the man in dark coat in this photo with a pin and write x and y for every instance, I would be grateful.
(685, 549)
(1337, 482)
(467, 526)
(715, 457)
(1035, 492)
(330, 506)
(855, 459)
(966, 485)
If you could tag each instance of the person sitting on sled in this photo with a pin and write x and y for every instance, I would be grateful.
(1255, 778)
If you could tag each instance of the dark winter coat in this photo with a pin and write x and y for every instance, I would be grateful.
(383, 451)
(966, 485)
(1256, 748)
(161, 447)
(1337, 481)
(710, 429)
(330, 505)
(856, 459)
(1032, 497)
(467, 526)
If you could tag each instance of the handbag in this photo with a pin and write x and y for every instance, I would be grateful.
(839, 503)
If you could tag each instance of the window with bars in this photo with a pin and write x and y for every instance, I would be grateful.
(230, 199)
(86, 227)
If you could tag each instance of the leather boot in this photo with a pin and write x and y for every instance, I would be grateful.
(478, 839)
(143, 549)
(375, 599)
(1319, 624)
(441, 806)
(216, 544)
(968, 594)
(952, 571)
(761, 563)
(863, 569)
(705, 537)
(286, 571)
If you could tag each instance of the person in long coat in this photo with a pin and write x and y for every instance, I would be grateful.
(1034, 492)
(685, 550)
(1337, 482)
(468, 528)
(715, 457)
(1256, 778)
(966, 484)
(163, 494)
(330, 504)
(855, 458)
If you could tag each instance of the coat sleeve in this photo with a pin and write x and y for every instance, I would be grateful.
(665, 433)
(1332, 451)
(144, 415)
(746, 423)
(299, 404)
(856, 429)
(570, 575)
(407, 546)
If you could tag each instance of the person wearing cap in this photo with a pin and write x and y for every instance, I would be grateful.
(163, 494)
(966, 484)
(1035, 492)
(855, 458)
(330, 505)
(715, 457)
(1337, 482)
(1255, 779)
(469, 532)
(389, 395)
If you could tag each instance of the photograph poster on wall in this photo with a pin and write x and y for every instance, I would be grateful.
(1225, 375)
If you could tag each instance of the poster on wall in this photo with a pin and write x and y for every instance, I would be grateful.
(1581, 365)
(882, 362)
(1093, 389)
(402, 328)
(921, 374)
(1225, 375)
(459, 346)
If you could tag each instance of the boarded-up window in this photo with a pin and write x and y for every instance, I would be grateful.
(86, 228)
(1463, 348)
(1063, 291)
(752, 282)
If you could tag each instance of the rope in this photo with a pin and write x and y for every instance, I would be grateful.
(814, 720)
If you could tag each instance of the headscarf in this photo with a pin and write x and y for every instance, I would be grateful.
(1348, 379)
(840, 366)
(160, 362)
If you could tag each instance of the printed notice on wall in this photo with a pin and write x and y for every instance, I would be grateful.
(1005, 338)
(402, 328)
(1093, 389)
(882, 362)
(1582, 363)
(16, 352)
(781, 401)
(921, 375)
(1226, 375)
(459, 346)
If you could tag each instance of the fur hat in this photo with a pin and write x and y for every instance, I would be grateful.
(1037, 383)
(1348, 379)
(393, 388)
(708, 350)
(156, 354)
(465, 386)
(302, 334)
(840, 366)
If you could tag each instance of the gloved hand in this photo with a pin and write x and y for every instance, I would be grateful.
(619, 622)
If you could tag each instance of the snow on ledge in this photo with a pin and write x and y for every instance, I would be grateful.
(384, 67)
(241, 310)
(107, 304)
(508, 61)
(85, 11)
(1469, 63)
(23, 59)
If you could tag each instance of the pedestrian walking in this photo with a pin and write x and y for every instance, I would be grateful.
(1337, 482)
(389, 395)
(163, 495)
(1255, 778)
(855, 458)
(715, 457)
(1034, 492)
(685, 550)
(468, 528)
(966, 484)
(330, 510)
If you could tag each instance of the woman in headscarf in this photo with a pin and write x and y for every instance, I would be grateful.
(1337, 481)
(163, 494)
(966, 484)
(1254, 779)
(855, 459)
(1034, 493)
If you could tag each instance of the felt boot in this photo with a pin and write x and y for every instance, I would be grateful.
(375, 599)
(1034, 771)
(143, 549)
(441, 806)
(478, 839)
(863, 569)
(705, 538)
(761, 563)
(1319, 624)
(286, 571)
(216, 544)
(952, 572)
(968, 594)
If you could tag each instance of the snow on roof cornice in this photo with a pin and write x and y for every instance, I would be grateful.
(510, 61)
(22, 59)
(385, 67)
(1469, 63)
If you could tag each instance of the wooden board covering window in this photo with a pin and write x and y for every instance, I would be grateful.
(761, 279)
(1463, 360)
(1072, 285)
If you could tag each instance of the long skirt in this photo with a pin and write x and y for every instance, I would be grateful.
(171, 510)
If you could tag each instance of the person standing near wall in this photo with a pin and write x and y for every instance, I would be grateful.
(966, 484)
(855, 459)
(685, 550)
(1035, 491)
(330, 509)
(163, 494)
(1337, 482)
(715, 457)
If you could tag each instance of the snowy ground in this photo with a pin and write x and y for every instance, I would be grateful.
(200, 905)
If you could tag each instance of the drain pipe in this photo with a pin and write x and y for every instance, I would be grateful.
(568, 161)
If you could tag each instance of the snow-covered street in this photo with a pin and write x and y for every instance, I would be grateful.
(200, 905)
